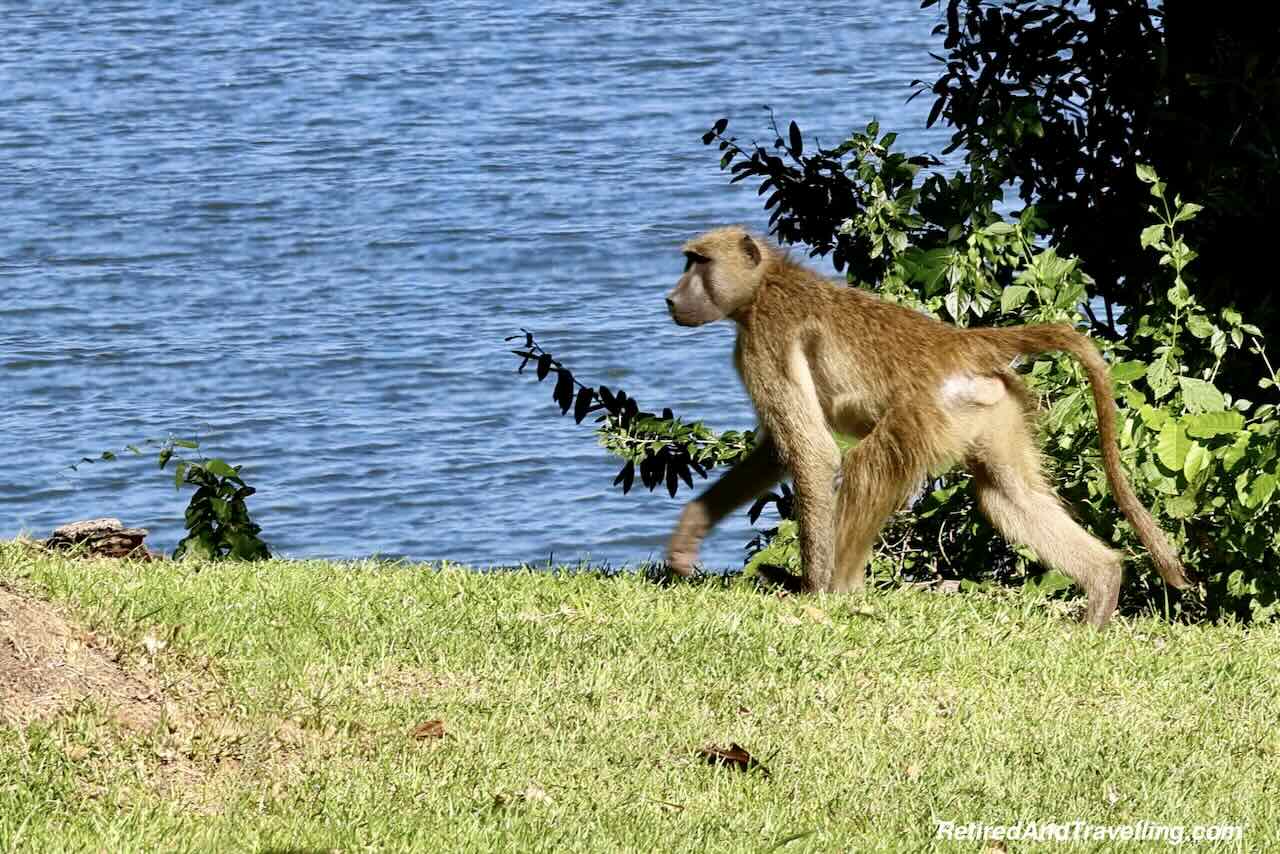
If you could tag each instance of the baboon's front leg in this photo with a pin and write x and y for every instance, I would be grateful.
(759, 470)
(810, 453)
(815, 511)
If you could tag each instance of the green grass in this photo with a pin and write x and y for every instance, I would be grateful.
(573, 706)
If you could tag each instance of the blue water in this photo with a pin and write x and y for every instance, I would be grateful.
(302, 229)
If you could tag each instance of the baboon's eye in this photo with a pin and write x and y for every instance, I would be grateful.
(691, 258)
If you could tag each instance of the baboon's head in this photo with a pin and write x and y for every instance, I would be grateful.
(721, 273)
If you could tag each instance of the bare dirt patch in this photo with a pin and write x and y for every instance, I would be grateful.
(47, 665)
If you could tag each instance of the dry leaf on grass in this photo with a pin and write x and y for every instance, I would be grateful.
(153, 644)
(429, 729)
(532, 794)
(817, 615)
(733, 756)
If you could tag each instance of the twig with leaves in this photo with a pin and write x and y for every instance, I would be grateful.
(664, 448)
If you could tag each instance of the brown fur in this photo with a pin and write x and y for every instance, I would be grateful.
(922, 395)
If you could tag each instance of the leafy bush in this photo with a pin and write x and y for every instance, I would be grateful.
(217, 519)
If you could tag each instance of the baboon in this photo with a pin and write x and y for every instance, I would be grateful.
(920, 394)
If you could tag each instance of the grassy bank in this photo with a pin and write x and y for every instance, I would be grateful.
(570, 710)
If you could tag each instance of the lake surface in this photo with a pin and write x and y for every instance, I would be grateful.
(302, 230)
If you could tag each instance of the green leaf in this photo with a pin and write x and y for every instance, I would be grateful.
(952, 303)
(165, 455)
(1198, 459)
(1201, 395)
(1187, 211)
(1013, 298)
(583, 405)
(997, 229)
(201, 547)
(1182, 507)
(797, 142)
(186, 443)
(1206, 425)
(1127, 372)
(1133, 397)
(1160, 378)
(1237, 585)
(1152, 234)
(221, 509)
(1200, 326)
(1256, 493)
(1146, 174)
(1172, 446)
(1262, 490)
(1051, 582)
(1157, 479)
(1242, 487)
(1153, 417)
(219, 468)
(1234, 454)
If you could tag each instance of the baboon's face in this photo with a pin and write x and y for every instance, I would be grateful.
(692, 302)
(720, 277)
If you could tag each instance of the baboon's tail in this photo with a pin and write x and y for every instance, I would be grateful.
(1030, 340)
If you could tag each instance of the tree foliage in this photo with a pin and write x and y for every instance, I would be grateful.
(1060, 99)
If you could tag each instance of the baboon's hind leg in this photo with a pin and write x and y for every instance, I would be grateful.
(1015, 496)
(875, 478)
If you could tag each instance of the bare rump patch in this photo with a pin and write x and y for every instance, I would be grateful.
(968, 390)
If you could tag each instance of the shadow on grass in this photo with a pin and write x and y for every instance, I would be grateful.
(1144, 596)
(1141, 596)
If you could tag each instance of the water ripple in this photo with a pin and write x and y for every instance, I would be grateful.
(302, 231)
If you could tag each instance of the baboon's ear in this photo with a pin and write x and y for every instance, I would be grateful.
(750, 249)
